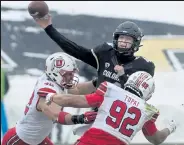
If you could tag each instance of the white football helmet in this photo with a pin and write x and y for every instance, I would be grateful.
(142, 83)
(62, 69)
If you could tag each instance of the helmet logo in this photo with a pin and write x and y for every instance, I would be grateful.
(59, 63)
(145, 85)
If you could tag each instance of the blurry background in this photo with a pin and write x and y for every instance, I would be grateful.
(24, 47)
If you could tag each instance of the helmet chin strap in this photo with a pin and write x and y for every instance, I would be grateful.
(126, 53)
(124, 58)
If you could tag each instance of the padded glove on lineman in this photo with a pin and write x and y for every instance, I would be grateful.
(171, 125)
(85, 118)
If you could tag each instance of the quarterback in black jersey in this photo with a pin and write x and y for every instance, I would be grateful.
(114, 61)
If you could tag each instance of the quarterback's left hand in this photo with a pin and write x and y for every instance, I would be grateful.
(119, 69)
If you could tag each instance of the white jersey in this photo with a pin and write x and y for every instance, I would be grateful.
(35, 126)
(121, 113)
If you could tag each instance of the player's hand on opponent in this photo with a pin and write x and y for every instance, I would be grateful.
(45, 21)
(171, 125)
(88, 117)
(119, 69)
(49, 99)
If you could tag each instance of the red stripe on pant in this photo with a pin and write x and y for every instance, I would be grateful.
(11, 138)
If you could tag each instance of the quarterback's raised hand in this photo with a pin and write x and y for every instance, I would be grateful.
(45, 21)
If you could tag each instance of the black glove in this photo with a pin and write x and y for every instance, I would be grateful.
(95, 109)
(85, 118)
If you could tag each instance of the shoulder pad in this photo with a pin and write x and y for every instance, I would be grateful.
(144, 59)
(110, 44)
(102, 48)
(46, 83)
(149, 66)
(43, 92)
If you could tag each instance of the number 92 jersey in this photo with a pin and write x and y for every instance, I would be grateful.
(121, 114)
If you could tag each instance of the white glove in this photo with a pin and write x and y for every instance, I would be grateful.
(171, 125)
(49, 99)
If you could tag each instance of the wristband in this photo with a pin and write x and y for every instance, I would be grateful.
(78, 119)
(61, 117)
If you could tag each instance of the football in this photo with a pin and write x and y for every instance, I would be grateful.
(38, 9)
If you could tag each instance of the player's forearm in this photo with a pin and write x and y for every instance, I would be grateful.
(65, 118)
(68, 119)
(70, 47)
(160, 136)
(83, 88)
(68, 100)
(62, 117)
(65, 44)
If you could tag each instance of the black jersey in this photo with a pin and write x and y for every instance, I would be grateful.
(105, 65)
(101, 58)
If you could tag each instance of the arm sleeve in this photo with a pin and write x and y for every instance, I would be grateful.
(94, 100)
(149, 128)
(71, 48)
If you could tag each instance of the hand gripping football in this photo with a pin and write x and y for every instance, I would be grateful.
(38, 9)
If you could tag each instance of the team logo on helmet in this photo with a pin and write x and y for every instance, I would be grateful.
(59, 63)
